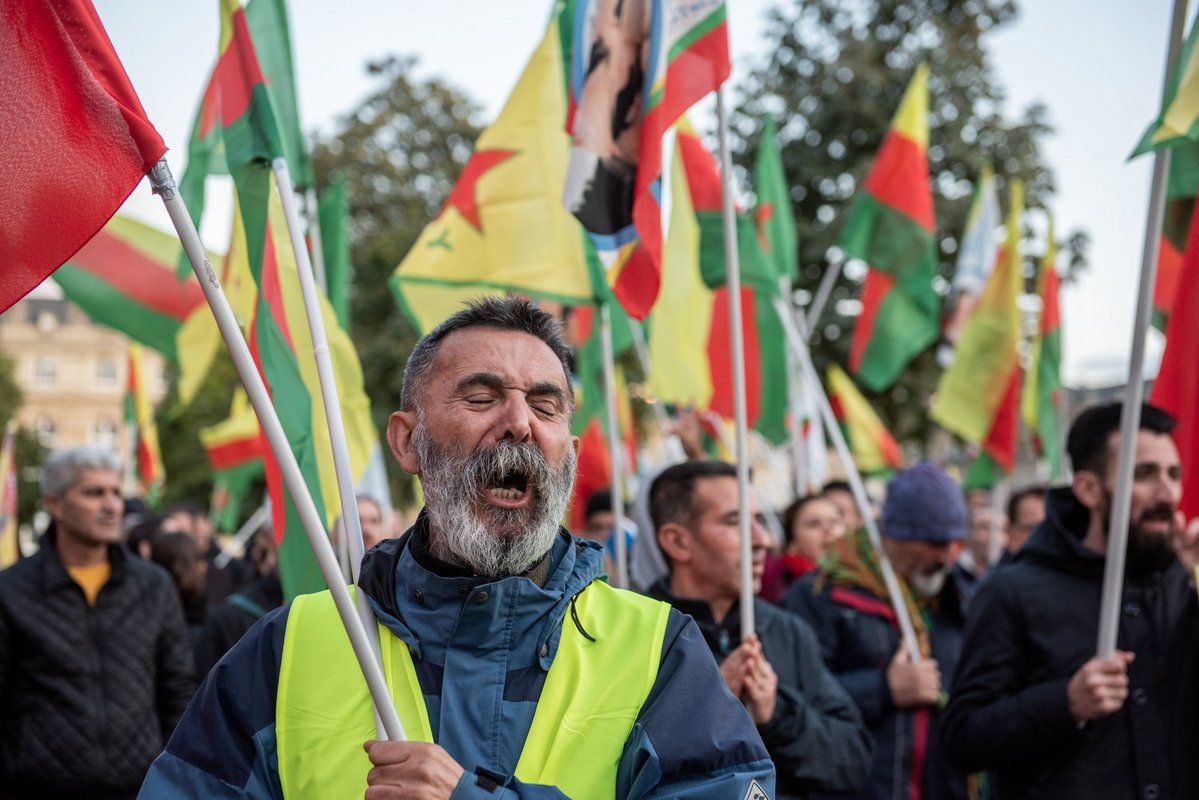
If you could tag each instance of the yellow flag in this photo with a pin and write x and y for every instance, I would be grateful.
(504, 227)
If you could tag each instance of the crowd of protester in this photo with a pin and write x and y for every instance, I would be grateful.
(106, 631)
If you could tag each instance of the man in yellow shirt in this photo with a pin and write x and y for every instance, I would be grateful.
(95, 666)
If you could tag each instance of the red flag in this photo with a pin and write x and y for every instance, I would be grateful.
(74, 139)
(1176, 389)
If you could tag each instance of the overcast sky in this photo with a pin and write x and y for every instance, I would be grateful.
(1097, 65)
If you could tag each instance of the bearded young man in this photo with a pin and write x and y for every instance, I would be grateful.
(1031, 701)
(516, 671)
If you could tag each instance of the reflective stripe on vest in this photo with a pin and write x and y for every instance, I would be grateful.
(588, 705)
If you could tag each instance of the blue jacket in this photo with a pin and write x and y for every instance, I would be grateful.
(481, 668)
(858, 637)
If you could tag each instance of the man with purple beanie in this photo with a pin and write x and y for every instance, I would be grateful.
(923, 529)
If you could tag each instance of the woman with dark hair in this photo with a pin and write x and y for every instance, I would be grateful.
(811, 524)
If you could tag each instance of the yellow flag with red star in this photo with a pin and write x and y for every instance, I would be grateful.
(503, 228)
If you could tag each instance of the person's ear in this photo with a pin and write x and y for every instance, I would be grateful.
(53, 506)
(676, 544)
(1088, 488)
(400, 427)
(574, 442)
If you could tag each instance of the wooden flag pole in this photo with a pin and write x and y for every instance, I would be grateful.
(616, 456)
(732, 269)
(800, 347)
(1130, 416)
(163, 183)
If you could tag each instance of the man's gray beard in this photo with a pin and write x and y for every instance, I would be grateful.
(491, 540)
(926, 585)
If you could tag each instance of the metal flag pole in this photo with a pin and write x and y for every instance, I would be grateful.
(799, 461)
(823, 292)
(732, 268)
(800, 346)
(163, 183)
(616, 456)
(1130, 415)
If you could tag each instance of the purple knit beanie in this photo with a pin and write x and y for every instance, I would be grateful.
(924, 504)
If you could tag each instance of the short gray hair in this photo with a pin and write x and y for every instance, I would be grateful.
(510, 313)
(62, 468)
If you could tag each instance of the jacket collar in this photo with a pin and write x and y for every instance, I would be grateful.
(54, 572)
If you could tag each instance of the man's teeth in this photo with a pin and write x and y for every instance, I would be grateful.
(505, 494)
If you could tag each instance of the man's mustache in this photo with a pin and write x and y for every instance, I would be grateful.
(1159, 512)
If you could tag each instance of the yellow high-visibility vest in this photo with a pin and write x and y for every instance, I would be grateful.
(591, 698)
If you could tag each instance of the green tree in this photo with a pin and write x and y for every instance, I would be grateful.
(834, 77)
(30, 453)
(400, 150)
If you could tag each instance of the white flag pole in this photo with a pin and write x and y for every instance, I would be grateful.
(800, 347)
(163, 183)
(621, 554)
(351, 525)
(1130, 416)
(732, 268)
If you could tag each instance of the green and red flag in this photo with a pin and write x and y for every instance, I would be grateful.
(1178, 121)
(143, 431)
(1043, 382)
(690, 338)
(10, 546)
(234, 450)
(978, 396)
(873, 447)
(1176, 389)
(229, 89)
(635, 68)
(482, 241)
(124, 277)
(891, 227)
(76, 140)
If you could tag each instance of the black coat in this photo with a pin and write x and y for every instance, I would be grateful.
(88, 694)
(858, 638)
(816, 737)
(1032, 625)
(228, 622)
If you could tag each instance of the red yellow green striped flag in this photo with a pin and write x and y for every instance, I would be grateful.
(635, 69)
(690, 342)
(978, 396)
(874, 448)
(10, 547)
(891, 227)
(234, 450)
(503, 228)
(124, 277)
(139, 420)
(1043, 382)
(265, 22)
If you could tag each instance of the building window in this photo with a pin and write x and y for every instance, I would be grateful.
(106, 373)
(45, 371)
(44, 428)
(105, 434)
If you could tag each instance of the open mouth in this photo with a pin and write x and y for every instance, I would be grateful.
(510, 490)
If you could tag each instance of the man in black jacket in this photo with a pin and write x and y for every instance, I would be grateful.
(1031, 701)
(810, 726)
(95, 664)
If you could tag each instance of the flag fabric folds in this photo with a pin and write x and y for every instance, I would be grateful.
(891, 227)
(1043, 382)
(978, 396)
(976, 254)
(483, 241)
(635, 68)
(139, 421)
(234, 450)
(874, 448)
(1176, 389)
(76, 138)
(10, 546)
(124, 277)
(333, 214)
(1178, 121)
